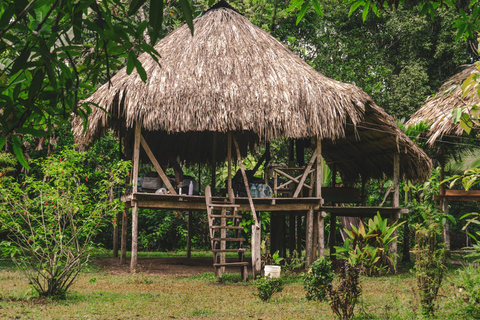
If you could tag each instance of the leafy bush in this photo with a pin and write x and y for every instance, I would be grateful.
(266, 287)
(317, 279)
(51, 219)
(369, 248)
(429, 261)
(344, 297)
(469, 291)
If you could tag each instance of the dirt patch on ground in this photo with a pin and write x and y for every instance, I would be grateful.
(162, 266)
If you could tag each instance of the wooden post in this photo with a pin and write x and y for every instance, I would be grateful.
(315, 236)
(229, 161)
(123, 245)
(189, 235)
(213, 164)
(136, 160)
(333, 218)
(333, 236)
(318, 194)
(291, 234)
(115, 234)
(309, 238)
(256, 251)
(396, 195)
(273, 233)
(444, 204)
(299, 235)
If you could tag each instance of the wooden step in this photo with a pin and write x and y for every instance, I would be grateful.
(227, 227)
(228, 239)
(230, 264)
(225, 216)
(229, 250)
(223, 205)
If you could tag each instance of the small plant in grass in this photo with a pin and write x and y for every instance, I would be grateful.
(293, 263)
(429, 260)
(52, 218)
(266, 287)
(347, 293)
(469, 291)
(317, 279)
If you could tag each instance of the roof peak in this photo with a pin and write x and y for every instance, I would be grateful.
(220, 4)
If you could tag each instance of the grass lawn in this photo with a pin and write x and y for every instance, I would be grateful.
(100, 295)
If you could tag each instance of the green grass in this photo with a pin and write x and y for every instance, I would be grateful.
(99, 295)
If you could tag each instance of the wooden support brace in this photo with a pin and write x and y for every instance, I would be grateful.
(304, 176)
(157, 166)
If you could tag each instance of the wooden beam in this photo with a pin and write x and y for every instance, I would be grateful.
(291, 234)
(299, 236)
(136, 159)
(318, 194)
(157, 166)
(333, 236)
(115, 234)
(304, 176)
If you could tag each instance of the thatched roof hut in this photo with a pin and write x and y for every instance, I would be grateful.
(437, 112)
(232, 76)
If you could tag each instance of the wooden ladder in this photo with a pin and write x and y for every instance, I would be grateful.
(225, 228)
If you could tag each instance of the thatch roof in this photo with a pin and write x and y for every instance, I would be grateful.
(233, 76)
(437, 110)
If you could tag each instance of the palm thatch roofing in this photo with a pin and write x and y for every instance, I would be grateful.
(437, 112)
(232, 76)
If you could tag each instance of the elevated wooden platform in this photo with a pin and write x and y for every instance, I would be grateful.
(459, 195)
(186, 202)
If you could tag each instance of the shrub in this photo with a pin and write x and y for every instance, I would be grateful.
(344, 297)
(469, 290)
(317, 279)
(368, 248)
(266, 287)
(429, 261)
(51, 219)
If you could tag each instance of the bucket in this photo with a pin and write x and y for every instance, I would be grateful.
(273, 271)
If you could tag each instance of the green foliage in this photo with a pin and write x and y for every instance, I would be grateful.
(52, 219)
(369, 248)
(469, 291)
(54, 53)
(429, 261)
(317, 279)
(345, 295)
(267, 286)
(7, 163)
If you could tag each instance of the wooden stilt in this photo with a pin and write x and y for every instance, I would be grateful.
(256, 250)
(333, 236)
(115, 234)
(318, 194)
(283, 238)
(315, 236)
(309, 238)
(189, 235)
(229, 162)
(291, 234)
(444, 205)
(273, 233)
(299, 235)
(136, 160)
(123, 246)
(213, 164)
(396, 195)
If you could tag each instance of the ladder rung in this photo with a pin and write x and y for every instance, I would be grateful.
(224, 205)
(225, 216)
(229, 250)
(230, 264)
(227, 227)
(228, 239)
